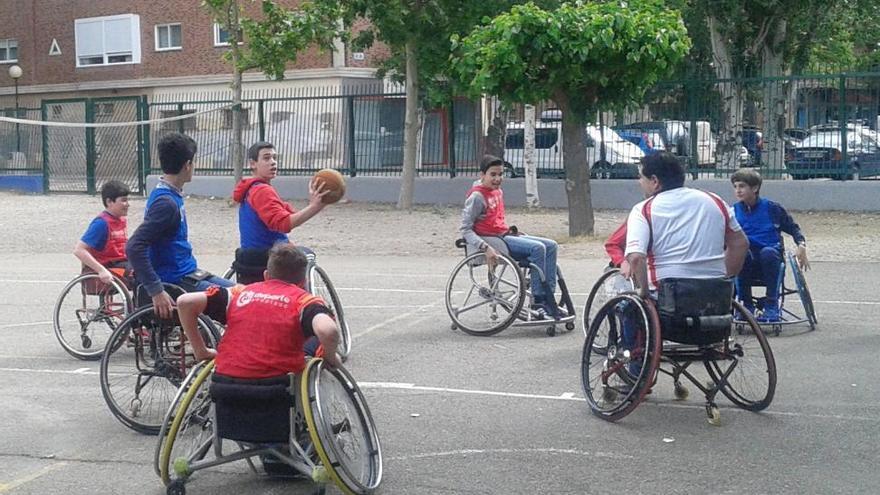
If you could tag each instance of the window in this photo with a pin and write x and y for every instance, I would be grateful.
(8, 51)
(108, 40)
(544, 138)
(174, 125)
(221, 35)
(168, 37)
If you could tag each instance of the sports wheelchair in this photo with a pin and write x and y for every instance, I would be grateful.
(88, 311)
(319, 284)
(145, 361)
(483, 300)
(610, 284)
(633, 339)
(316, 425)
(787, 316)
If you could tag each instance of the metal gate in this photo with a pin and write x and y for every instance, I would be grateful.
(81, 159)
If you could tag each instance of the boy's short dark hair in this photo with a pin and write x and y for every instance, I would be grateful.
(666, 167)
(748, 175)
(253, 152)
(113, 189)
(287, 263)
(175, 149)
(490, 161)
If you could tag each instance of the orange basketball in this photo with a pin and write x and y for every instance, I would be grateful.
(333, 181)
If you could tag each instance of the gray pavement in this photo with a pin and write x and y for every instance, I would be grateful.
(463, 414)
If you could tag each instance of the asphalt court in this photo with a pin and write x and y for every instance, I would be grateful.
(463, 414)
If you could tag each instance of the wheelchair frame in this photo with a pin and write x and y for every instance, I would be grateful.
(613, 389)
(787, 316)
(106, 312)
(322, 458)
(496, 297)
(319, 284)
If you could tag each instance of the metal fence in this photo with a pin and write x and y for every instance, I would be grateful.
(20, 145)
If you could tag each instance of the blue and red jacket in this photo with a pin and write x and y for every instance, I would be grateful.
(764, 222)
(106, 238)
(263, 219)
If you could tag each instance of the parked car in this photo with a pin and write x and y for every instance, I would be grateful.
(649, 141)
(619, 161)
(821, 154)
(676, 139)
(792, 138)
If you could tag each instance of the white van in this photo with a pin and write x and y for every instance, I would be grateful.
(621, 158)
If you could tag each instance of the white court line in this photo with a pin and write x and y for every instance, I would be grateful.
(465, 452)
(33, 323)
(394, 319)
(5, 487)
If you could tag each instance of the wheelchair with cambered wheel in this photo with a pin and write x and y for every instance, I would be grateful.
(632, 340)
(484, 300)
(315, 426)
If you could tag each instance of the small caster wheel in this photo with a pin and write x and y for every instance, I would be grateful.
(740, 328)
(453, 327)
(777, 329)
(551, 331)
(569, 326)
(176, 488)
(714, 414)
(609, 394)
(86, 342)
(681, 392)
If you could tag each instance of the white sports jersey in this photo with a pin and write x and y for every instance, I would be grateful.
(681, 231)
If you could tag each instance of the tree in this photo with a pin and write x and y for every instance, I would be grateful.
(587, 57)
(273, 41)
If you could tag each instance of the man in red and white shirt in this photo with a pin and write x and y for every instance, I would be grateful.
(680, 232)
(267, 323)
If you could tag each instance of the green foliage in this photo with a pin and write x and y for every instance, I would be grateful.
(601, 55)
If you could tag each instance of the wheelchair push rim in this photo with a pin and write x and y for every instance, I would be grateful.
(83, 328)
(334, 438)
(320, 285)
(611, 389)
(599, 295)
(483, 301)
(803, 291)
(143, 365)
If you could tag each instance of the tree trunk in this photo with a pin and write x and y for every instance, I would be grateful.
(410, 129)
(532, 199)
(728, 150)
(234, 29)
(775, 100)
(577, 175)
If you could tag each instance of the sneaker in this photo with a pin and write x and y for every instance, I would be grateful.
(770, 314)
(741, 317)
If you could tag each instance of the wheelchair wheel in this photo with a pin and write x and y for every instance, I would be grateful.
(484, 301)
(341, 428)
(803, 291)
(144, 363)
(618, 367)
(748, 364)
(320, 285)
(188, 430)
(87, 312)
(607, 286)
(229, 274)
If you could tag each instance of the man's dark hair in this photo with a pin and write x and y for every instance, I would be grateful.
(113, 189)
(255, 149)
(287, 263)
(666, 167)
(490, 161)
(175, 149)
(748, 175)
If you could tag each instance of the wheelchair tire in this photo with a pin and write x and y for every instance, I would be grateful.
(751, 383)
(341, 428)
(188, 425)
(320, 285)
(87, 313)
(599, 294)
(504, 303)
(144, 363)
(611, 388)
(803, 290)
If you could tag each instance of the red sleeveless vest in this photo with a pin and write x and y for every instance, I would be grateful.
(264, 335)
(117, 235)
(492, 222)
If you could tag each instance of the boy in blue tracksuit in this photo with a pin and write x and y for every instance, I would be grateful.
(159, 250)
(763, 221)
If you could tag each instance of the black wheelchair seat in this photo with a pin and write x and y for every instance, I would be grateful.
(695, 311)
(255, 411)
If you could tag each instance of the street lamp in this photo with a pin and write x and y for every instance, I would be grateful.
(15, 73)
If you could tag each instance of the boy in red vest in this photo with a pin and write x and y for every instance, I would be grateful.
(102, 246)
(267, 323)
(483, 217)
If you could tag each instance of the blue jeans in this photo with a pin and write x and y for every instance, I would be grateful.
(203, 285)
(762, 264)
(540, 252)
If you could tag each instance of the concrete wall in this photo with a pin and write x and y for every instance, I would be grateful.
(607, 194)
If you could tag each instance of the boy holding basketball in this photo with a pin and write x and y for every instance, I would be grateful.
(263, 218)
(102, 246)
